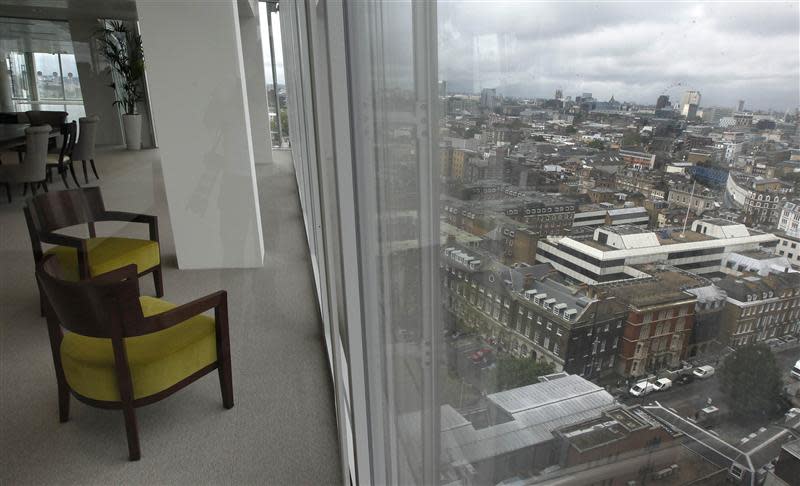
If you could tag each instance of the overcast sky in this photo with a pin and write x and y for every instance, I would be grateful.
(635, 51)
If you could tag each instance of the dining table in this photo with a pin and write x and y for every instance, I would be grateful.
(13, 134)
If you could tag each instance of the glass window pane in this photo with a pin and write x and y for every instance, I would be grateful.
(15, 61)
(48, 76)
(69, 75)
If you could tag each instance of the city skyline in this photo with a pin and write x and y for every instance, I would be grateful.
(634, 52)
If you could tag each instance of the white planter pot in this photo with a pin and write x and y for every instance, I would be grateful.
(132, 125)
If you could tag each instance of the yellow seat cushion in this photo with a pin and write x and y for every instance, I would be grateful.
(157, 360)
(107, 254)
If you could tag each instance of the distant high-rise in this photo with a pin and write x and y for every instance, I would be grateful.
(559, 94)
(689, 103)
(442, 88)
(741, 106)
(662, 102)
(586, 97)
(489, 98)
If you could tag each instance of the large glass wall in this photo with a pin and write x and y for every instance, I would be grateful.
(506, 169)
(277, 92)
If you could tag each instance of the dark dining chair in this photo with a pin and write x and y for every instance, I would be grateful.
(84, 147)
(62, 161)
(31, 171)
(124, 351)
(82, 258)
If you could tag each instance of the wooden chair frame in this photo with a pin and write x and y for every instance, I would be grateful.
(108, 306)
(52, 211)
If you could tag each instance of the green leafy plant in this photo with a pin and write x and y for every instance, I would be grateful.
(122, 49)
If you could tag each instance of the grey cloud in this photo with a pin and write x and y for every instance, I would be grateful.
(633, 51)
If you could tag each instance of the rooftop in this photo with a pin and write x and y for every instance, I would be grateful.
(665, 285)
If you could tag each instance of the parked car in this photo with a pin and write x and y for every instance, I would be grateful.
(662, 384)
(480, 355)
(796, 370)
(685, 379)
(703, 371)
(641, 389)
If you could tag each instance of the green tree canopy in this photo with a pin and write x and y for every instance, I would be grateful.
(570, 129)
(597, 144)
(515, 372)
(751, 381)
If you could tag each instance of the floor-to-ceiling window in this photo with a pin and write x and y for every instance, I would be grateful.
(470, 154)
(41, 62)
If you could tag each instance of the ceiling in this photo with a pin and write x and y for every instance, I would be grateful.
(69, 9)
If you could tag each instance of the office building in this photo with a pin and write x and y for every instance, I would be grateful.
(759, 308)
(659, 321)
(662, 102)
(613, 251)
(489, 98)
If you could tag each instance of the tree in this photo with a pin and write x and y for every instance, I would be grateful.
(515, 372)
(751, 381)
(597, 144)
(570, 129)
(631, 138)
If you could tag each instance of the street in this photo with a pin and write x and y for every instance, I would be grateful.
(688, 399)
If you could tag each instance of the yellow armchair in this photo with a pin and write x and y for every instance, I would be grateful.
(123, 351)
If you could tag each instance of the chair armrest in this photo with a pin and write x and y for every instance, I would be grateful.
(78, 243)
(217, 301)
(62, 240)
(150, 220)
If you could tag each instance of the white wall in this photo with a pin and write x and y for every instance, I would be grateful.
(199, 103)
(256, 82)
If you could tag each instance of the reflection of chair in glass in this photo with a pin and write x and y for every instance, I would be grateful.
(62, 161)
(124, 351)
(82, 258)
(31, 170)
(84, 147)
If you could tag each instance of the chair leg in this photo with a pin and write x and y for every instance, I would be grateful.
(63, 403)
(72, 171)
(8, 190)
(24, 188)
(85, 174)
(159, 282)
(94, 169)
(44, 185)
(64, 178)
(226, 380)
(134, 453)
(33, 188)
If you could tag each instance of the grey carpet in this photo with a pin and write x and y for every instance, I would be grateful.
(283, 427)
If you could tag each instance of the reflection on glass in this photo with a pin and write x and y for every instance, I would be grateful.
(48, 76)
(18, 68)
(69, 77)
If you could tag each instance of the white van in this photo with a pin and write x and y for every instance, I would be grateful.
(641, 389)
(796, 370)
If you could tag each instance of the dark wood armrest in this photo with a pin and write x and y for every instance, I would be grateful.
(217, 301)
(78, 243)
(62, 240)
(150, 220)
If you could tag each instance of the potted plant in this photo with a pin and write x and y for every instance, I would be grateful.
(122, 49)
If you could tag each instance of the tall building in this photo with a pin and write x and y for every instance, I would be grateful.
(662, 102)
(789, 220)
(741, 106)
(489, 98)
(689, 103)
(559, 94)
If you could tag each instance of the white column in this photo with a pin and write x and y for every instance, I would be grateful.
(256, 82)
(98, 97)
(199, 102)
(6, 102)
